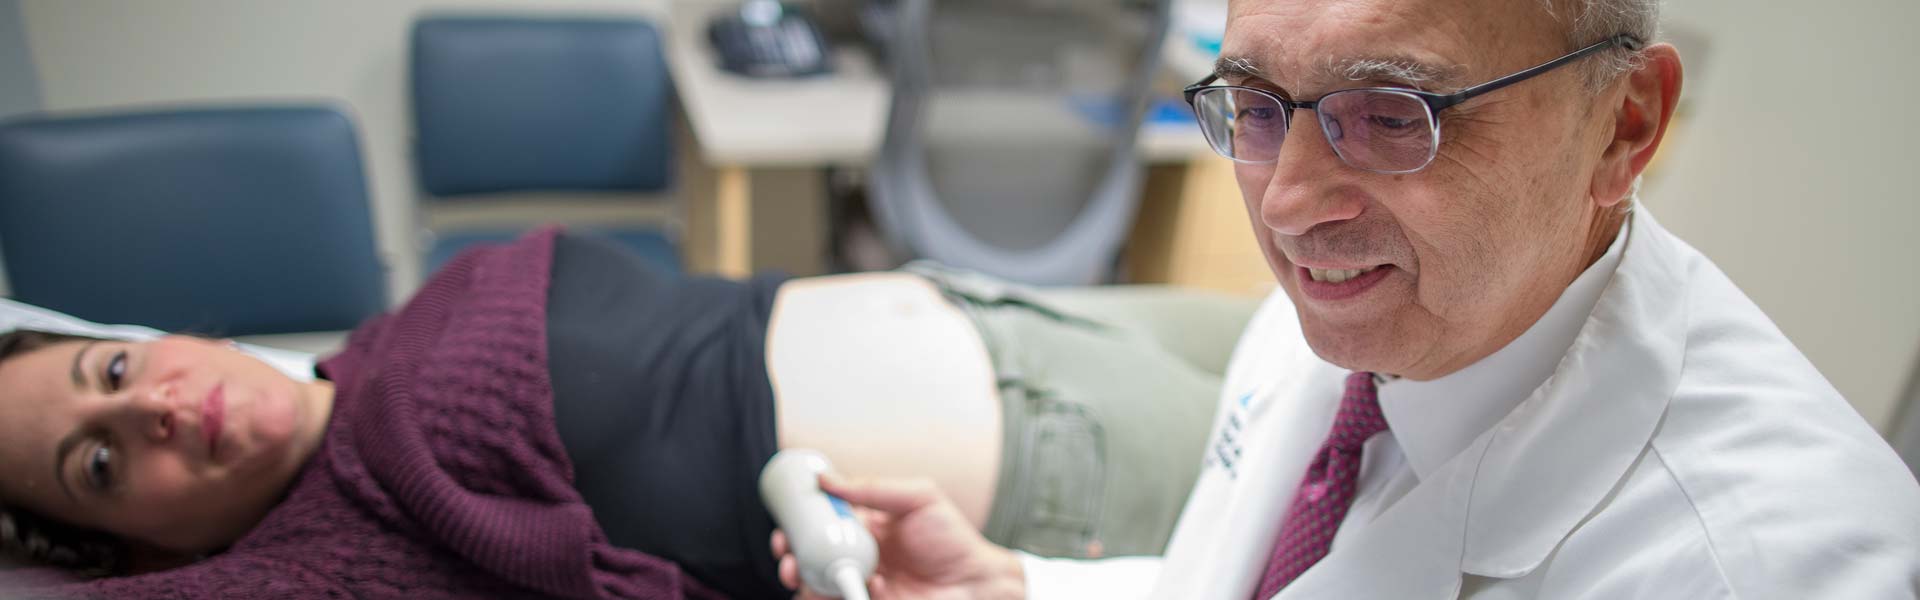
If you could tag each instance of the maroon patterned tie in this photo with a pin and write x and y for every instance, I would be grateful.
(1327, 490)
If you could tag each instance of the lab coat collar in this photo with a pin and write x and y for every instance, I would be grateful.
(1554, 459)
(1499, 507)
(1434, 420)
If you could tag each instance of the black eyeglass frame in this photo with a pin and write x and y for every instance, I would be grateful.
(1435, 102)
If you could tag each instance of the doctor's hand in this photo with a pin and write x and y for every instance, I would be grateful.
(928, 549)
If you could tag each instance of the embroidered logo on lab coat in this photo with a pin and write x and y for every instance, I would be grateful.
(1224, 452)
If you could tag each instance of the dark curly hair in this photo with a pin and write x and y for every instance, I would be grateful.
(30, 537)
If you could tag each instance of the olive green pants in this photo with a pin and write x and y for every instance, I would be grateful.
(1107, 397)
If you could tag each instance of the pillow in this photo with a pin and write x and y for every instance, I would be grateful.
(20, 315)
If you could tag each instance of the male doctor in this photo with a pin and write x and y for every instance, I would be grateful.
(1492, 374)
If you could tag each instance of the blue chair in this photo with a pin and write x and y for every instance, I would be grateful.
(232, 221)
(521, 104)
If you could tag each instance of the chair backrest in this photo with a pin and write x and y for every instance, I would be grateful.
(230, 221)
(1009, 147)
(522, 103)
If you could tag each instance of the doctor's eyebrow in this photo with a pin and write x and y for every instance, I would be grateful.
(1396, 69)
(1234, 68)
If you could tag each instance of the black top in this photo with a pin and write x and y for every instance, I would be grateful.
(662, 400)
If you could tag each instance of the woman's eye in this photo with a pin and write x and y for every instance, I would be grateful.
(100, 467)
(116, 371)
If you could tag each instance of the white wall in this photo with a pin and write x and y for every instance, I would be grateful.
(1795, 171)
(19, 86)
(108, 53)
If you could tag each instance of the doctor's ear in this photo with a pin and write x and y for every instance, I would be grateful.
(1641, 112)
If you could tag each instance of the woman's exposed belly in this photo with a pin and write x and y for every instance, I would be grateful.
(888, 379)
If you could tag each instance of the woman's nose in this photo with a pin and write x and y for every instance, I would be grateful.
(151, 411)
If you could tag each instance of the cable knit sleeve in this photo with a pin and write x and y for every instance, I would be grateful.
(235, 577)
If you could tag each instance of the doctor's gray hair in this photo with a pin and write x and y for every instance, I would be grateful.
(1595, 20)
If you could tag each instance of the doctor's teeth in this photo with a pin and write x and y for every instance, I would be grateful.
(1337, 275)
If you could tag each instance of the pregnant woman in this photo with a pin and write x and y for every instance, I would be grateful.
(552, 417)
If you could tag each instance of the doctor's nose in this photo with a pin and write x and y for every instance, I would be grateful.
(1309, 183)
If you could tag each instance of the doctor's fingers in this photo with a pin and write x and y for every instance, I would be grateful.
(790, 577)
(875, 522)
(790, 574)
(889, 495)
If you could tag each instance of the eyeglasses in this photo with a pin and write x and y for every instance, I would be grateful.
(1383, 130)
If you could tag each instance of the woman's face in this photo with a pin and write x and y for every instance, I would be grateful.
(181, 444)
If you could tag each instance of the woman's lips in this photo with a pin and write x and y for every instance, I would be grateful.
(213, 414)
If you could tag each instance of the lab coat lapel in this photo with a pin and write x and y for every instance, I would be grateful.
(1225, 556)
(1501, 506)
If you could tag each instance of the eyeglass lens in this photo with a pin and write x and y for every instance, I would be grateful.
(1376, 130)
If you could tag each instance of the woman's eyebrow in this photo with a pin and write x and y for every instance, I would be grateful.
(65, 448)
(79, 380)
(60, 454)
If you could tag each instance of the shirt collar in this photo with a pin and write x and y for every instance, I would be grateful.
(1434, 420)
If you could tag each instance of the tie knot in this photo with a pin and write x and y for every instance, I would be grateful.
(1360, 417)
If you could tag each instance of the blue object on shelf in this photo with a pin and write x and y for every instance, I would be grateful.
(1107, 111)
(1208, 43)
(1165, 111)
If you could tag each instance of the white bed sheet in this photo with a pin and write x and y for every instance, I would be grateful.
(297, 364)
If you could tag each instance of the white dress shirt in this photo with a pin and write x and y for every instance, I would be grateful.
(1429, 422)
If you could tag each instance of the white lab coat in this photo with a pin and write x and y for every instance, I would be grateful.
(1683, 448)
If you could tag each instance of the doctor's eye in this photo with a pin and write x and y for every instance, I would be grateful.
(1257, 114)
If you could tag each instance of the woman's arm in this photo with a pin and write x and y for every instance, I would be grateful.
(225, 576)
